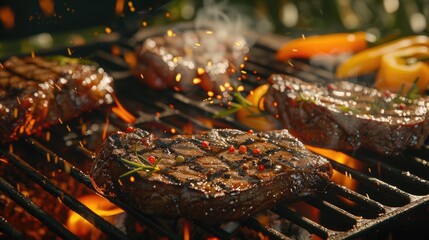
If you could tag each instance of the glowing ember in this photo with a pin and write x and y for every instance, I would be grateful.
(200, 71)
(170, 33)
(131, 6)
(106, 125)
(81, 227)
(108, 30)
(178, 77)
(196, 81)
(122, 113)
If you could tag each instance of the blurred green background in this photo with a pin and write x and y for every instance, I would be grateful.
(39, 25)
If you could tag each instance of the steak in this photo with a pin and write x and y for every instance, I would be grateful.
(346, 116)
(37, 92)
(213, 177)
(183, 60)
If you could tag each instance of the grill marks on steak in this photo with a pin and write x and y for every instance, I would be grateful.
(212, 184)
(36, 93)
(346, 116)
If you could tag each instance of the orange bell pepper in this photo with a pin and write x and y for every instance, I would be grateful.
(396, 72)
(335, 43)
(369, 60)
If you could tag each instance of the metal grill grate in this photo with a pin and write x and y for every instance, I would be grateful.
(387, 188)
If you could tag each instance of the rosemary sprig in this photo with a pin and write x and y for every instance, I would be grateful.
(412, 93)
(240, 102)
(62, 60)
(347, 109)
(140, 166)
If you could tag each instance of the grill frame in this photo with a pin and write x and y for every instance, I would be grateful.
(260, 58)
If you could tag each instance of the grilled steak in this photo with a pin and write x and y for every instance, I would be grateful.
(36, 92)
(346, 116)
(183, 60)
(213, 177)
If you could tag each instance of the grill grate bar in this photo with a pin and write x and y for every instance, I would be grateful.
(84, 179)
(321, 204)
(268, 231)
(367, 179)
(356, 197)
(10, 230)
(36, 211)
(64, 197)
(302, 221)
(397, 173)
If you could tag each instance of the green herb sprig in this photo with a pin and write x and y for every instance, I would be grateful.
(140, 166)
(240, 102)
(412, 93)
(62, 60)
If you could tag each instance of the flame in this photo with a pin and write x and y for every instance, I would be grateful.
(119, 8)
(186, 230)
(342, 158)
(122, 113)
(7, 17)
(130, 59)
(81, 227)
(47, 7)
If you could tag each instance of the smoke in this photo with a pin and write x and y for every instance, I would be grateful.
(223, 30)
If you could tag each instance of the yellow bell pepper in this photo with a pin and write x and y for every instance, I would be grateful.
(398, 72)
(369, 60)
(334, 43)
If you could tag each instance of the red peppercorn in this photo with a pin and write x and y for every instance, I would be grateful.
(261, 167)
(387, 94)
(331, 87)
(130, 129)
(402, 106)
(242, 149)
(231, 149)
(151, 159)
(250, 131)
(205, 144)
(256, 151)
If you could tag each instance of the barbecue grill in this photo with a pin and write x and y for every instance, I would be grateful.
(369, 196)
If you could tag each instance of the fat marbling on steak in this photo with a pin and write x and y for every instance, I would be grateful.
(347, 116)
(214, 176)
(39, 92)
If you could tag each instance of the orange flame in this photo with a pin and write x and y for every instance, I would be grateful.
(81, 227)
(7, 17)
(119, 8)
(342, 158)
(122, 113)
(186, 230)
(47, 7)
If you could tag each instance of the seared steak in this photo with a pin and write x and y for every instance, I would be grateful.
(36, 92)
(346, 116)
(214, 176)
(175, 60)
